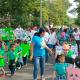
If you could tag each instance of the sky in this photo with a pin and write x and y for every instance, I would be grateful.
(71, 1)
(74, 5)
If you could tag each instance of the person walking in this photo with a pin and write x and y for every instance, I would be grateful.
(38, 53)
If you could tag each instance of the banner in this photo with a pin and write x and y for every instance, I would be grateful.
(59, 50)
(75, 49)
(73, 73)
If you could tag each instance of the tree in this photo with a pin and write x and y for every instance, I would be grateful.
(77, 21)
(11, 9)
(23, 11)
(27, 12)
(58, 12)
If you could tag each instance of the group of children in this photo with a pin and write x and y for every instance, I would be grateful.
(16, 54)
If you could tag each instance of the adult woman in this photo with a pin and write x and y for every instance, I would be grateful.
(38, 53)
(76, 35)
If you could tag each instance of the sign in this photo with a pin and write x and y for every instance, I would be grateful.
(75, 49)
(73, 73)
(59, 50)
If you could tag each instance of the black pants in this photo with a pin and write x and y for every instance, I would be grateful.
(11, 66)
(18, 64)
(78, 44)
(25, 59)
(70, 60)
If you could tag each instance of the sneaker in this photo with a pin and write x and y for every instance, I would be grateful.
(26, 65)
(35, 79)
(12, 74)
(18, 67)
(42, 78)
(15, 69)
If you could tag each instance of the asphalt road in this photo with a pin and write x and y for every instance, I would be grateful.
(26, 72)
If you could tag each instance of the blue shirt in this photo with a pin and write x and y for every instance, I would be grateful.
(1, 52)
(60, 68)
(38, 50)
(12, 55)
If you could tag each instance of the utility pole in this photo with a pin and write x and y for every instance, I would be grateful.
(40, 13)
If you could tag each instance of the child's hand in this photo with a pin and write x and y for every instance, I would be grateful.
(1, 56)
(52, 78)
(19, 52)
(24, 55)
(7, 62)
(51, 52)
(31, 57)
(14, 64)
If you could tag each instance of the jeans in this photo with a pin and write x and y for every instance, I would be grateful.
(78, 44)
(19, 62)
(61, 77)
(25, 60)
(46, 55)
(38, 60)
(11, 66)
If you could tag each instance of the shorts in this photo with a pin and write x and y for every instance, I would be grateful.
(59, 77)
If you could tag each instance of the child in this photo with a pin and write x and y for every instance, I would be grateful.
(74, 46)
(25, 51)
(72, 41)
(12, 58)
(18, 51)
(70, 55)
(59, 68)
(66, 47)
(2, 62)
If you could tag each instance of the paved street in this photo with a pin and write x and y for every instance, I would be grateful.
(26, 73)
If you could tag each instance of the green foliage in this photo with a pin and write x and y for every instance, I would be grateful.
(77, 21)
(57, 12)
(27, 12)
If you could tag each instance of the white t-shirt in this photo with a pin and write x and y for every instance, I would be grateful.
(32, 33)
(18, 33)
(46, 37)
(43, 43)
(52, 39)
(29, 37)
(76, 35)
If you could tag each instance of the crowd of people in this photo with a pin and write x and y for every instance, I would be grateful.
(36, 45)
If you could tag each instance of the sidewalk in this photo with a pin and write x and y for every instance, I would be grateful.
(26, 73)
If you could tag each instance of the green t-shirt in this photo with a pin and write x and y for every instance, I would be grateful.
(25, 49)
(2, 62)
(60, 68)
(12, 55)
(8, 45)
(70, 53)
(18, 51)
(72, 43)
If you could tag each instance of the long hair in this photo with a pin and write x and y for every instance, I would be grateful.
(39, 32)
